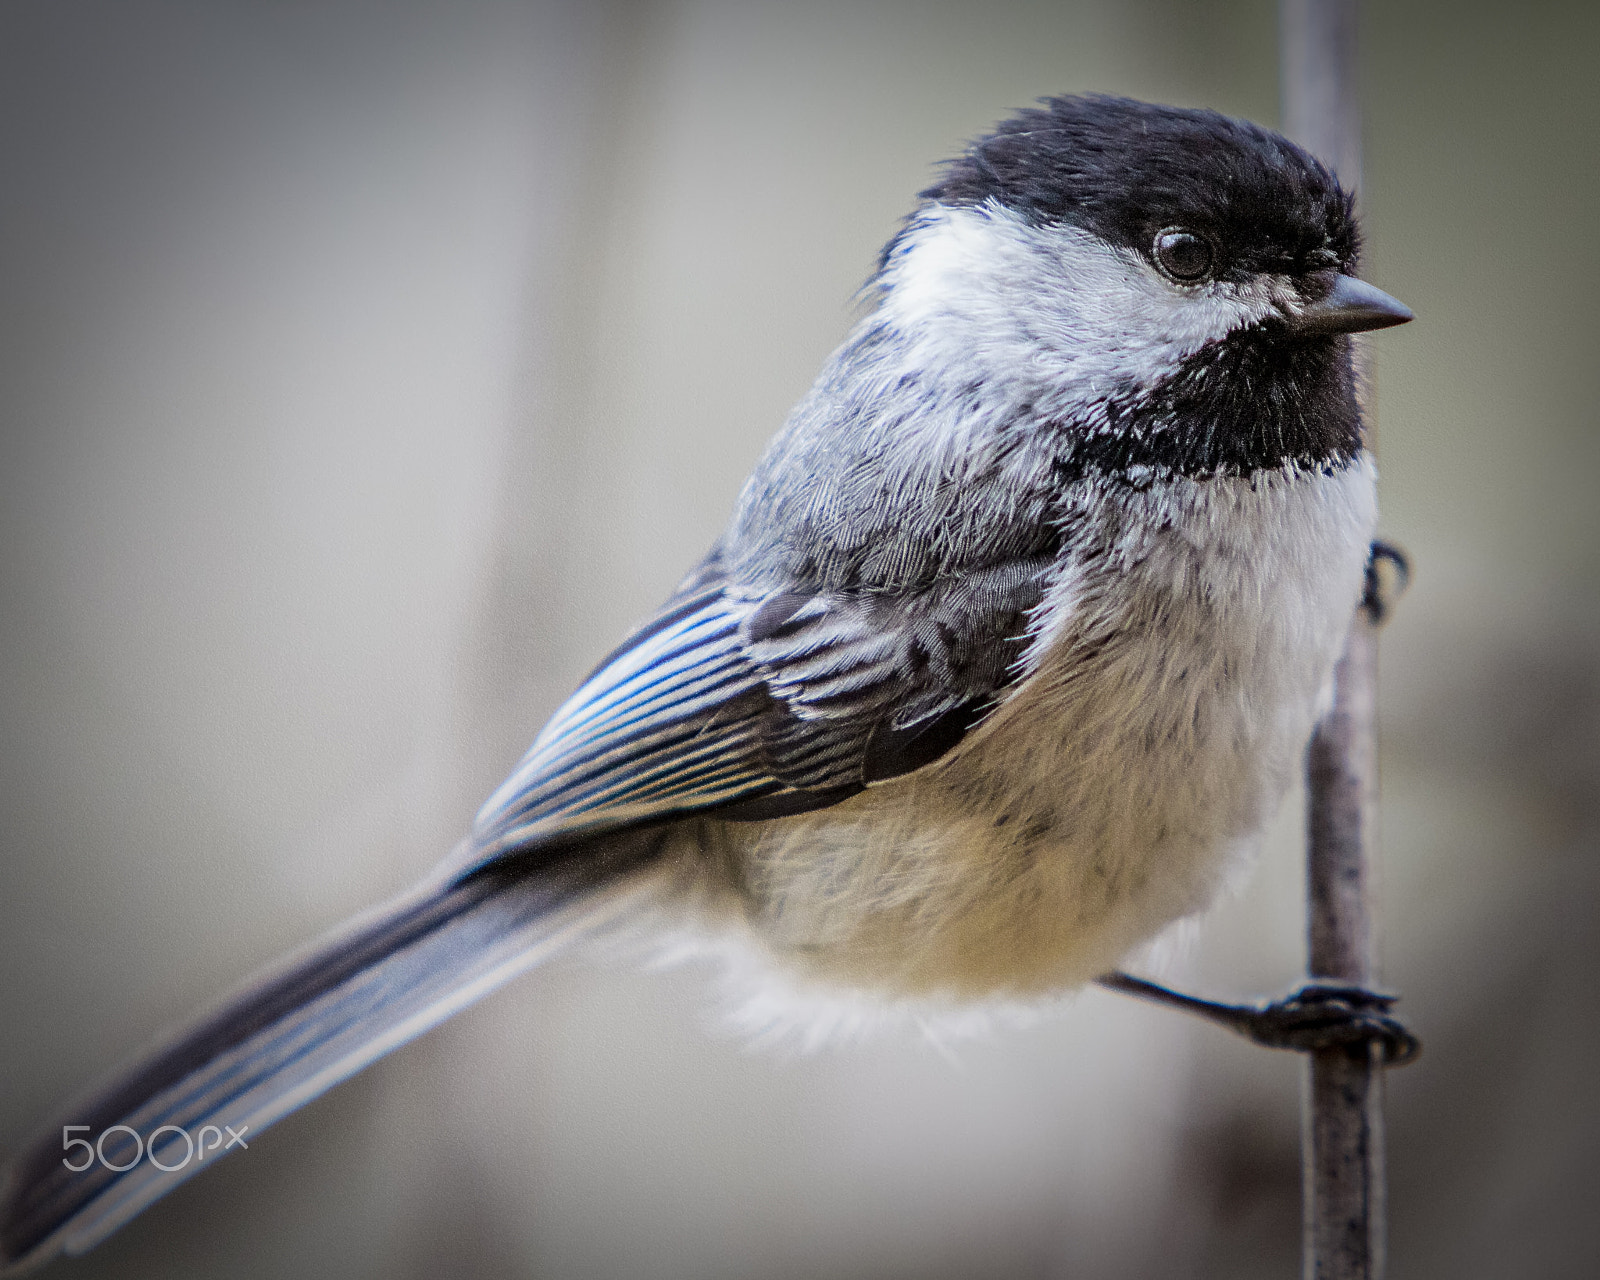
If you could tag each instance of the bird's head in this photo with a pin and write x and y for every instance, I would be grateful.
(1172, 286)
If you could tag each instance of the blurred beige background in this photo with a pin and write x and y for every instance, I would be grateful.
(367, 369)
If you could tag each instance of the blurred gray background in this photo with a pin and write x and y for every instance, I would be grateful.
(367, 369)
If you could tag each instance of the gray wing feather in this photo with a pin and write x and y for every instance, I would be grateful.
(873, 596)
(663, 726)
(730, 697)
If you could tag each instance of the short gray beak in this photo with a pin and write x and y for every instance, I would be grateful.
(1351, 306)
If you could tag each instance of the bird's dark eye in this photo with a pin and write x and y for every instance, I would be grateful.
(1183, 255)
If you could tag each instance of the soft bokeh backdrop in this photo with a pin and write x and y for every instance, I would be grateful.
(366, 369)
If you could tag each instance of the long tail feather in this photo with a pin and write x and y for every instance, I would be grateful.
(289, 1037)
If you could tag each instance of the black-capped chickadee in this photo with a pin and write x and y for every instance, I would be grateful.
(1012, 645)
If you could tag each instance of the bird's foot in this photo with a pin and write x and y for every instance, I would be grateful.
(1321, 1015)
(1388, 576)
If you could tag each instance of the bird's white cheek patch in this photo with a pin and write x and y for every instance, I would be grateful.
(983, 296)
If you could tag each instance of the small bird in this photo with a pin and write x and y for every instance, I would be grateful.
(1010, 649)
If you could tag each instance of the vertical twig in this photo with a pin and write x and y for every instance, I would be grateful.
(1344, 1211)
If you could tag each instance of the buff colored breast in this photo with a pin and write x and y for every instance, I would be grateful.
(1016, 869)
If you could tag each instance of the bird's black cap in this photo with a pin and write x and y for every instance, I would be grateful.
(1124, 170)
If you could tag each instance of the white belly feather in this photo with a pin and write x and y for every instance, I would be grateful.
(1109, 794)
